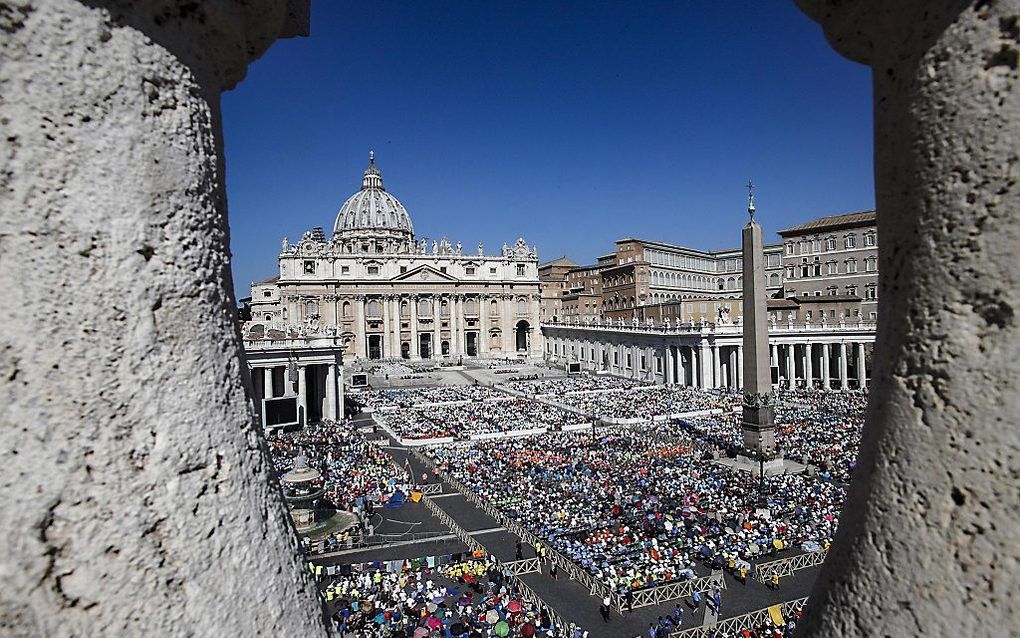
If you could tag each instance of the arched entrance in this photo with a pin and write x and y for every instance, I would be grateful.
(472, 344)
(522, 336)
(375, 346)
(425, 346)
(405, 350)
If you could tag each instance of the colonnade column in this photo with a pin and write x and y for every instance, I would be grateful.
(395, 316)
(740, 367)
(774, 359)
(331, 399)
(668, 362)
(716, 367)
(808, 366)
(791, 366)
(302, 394)
(413, 302)
(706, 365)
(862, 374)
(843, 385)
(681, 373)
(825, 366)
(695, 383)
(267, 383)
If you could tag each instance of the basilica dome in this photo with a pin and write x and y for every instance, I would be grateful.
(373, 211)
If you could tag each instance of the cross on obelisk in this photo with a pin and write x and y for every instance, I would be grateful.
(758, 422)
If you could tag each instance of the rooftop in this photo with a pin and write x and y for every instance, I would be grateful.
(832, 222)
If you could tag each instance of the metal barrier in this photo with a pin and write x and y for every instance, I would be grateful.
(677, 590)
(786, 566)
(445, 519)
(751, 620)
(524, 566)
(431, 488)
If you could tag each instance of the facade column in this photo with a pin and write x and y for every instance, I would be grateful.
(774, 359)
(825, 366)
(635, 362)
(483, 319)
(506, 327)
(716, 367)
(302, 394)
(387, 334)
(331, 400)
(695, 374)
(413, 303)
(740, 367)
(862, 373)
(791, 367)
(437, 325)
(457, 316)
(681, 373)
(395, 314)
(809, 378)
(843, 385)
(731, 369)
(361, 341)
(267, 383)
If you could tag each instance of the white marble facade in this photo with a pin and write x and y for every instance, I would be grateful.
(387, 294)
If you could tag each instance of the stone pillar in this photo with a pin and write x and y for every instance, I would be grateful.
(717, 381)
(267, 383)
(667, 363)
(944, 378)
(862, 378)
(331, 398)
(302, 393)
(437, 325)
(826, 360)
(681, 372)
(395, 314)
(808, 371)
(361, 341)
(774, 358)
(740, 368)
(695, 369)
(791, 366)
(706, 365)
(113, 170)
(483, 318)
(413, 305)
(387, 333)
(455, 347)
(843, 385)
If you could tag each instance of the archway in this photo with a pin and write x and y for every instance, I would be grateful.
(425, 346)
(472, 344)
(375, 346)
(522, 336)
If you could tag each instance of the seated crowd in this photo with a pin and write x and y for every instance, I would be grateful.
(578, 383)
(409, 397)
(473, 598)
(638, 507)
(461, 421)
(650, 401)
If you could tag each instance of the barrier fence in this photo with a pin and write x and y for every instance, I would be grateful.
(641, 598)
(787, 566)
(748, 621)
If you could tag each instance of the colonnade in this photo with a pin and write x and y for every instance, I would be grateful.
(317, 386)
(816, 362)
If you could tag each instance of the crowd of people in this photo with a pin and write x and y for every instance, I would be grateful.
(496, 415)
(355, 472)
(474, 598)
(649, 402)
(558, 386)
(410, 397)
(642, 506)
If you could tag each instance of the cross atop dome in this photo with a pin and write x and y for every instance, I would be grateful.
(373, 178)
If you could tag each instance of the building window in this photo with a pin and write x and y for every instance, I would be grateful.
(850, 241)
(470, 270)
(851, 265)
(424, 308)
(871, 292)
(520, 270)
(442, 269)
(789, 249)
(869, 239)
(345, 269)
(851, 290)
(268, 293)
(309, 267)
(373, 309)
(403, 269)
(347, 309)
(873, 315)
(311, 309)
(373, 270)
(830, 243)
(492, 271)
(832, 268)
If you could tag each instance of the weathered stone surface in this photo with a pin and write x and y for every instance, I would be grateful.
(134, 488)
(929, 543)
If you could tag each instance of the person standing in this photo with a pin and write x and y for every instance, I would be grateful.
(604, 609)
(518, 550)
(630, 600)
(717, 598)
(552, 570)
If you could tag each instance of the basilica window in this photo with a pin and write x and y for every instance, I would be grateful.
(269, 317)
(373, 270)
(470, 270)
(471, 307)
(345, 269)
(311, 309)
(520, 270)
(424, 308)
(492, 271)
(346, 309)
(268, 293)
(373, 309)
(493, 307)
(309, 267)
(445, 308)
(522, 307)
(403, 269)
(404, 309)
(442, 269)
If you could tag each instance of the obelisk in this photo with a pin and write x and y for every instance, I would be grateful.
(759, 423)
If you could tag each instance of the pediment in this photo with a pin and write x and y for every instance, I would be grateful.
(425, 273)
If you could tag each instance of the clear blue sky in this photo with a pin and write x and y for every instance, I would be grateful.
(570, 124)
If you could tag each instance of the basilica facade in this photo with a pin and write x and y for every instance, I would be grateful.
(381, 292)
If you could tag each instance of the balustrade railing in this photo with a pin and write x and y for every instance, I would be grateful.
(787, 566)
